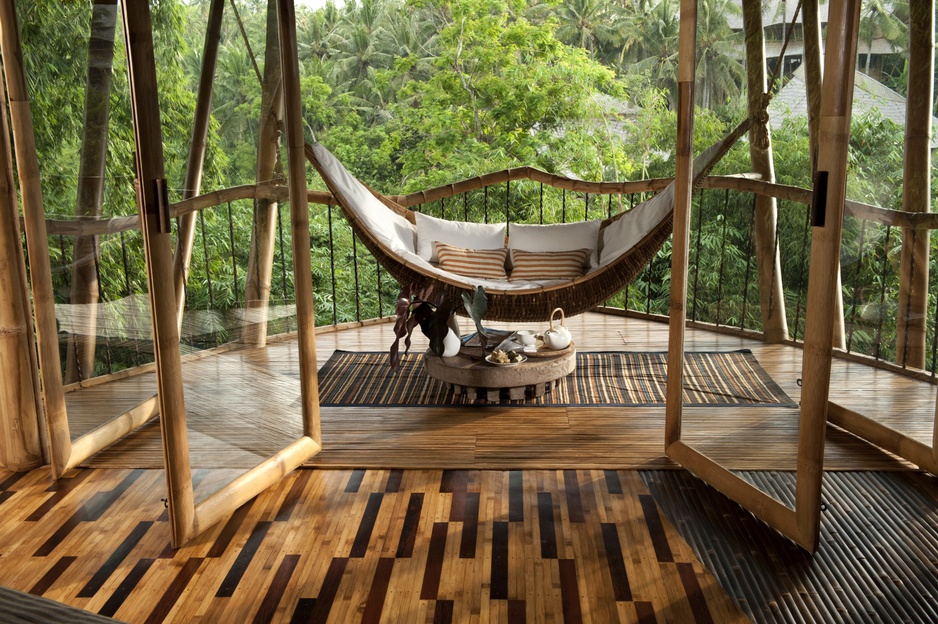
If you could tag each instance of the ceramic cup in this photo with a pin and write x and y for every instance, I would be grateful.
(527, 337)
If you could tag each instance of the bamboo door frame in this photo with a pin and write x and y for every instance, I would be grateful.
(187, 518)
(801, 523)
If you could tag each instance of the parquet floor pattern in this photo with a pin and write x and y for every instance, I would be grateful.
(360, 546)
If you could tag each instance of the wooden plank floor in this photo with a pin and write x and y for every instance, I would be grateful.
(243, 405)
(360, 546)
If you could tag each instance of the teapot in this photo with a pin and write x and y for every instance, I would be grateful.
(557, 337)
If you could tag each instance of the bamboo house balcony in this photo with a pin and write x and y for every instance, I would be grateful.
(200, 421)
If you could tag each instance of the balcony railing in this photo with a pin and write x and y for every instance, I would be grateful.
(350, 287)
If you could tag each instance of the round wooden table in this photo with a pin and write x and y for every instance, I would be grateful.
(468, 372)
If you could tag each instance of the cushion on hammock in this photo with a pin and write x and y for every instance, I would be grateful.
(626, 232)
(460, 233)
(544, 265)
(388, 227)
(556, 237)
(479, 263)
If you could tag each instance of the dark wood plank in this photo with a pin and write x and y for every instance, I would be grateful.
(327, 594)
(656, 529)
(295, 495)
(304, 611)
(621, 589)
(434, 568)
(374, 605)
(126, 587)
(243, 560)
(117, 557)
(50, 577)
(698, 603)
(516, 612)
(515, 496)
(366, 525)
(569, 592)
(645, 612)
(443, 612)
(355, 481)
(470, 527)
(60, 489)
(574, 501)
(268, 608)
(9, 482)
(545, 516)
(394, 481)
(405, 546)
(168, 600)
(613, 485)
(231, 529)
(499, 572)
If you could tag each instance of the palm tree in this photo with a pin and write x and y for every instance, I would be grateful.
(590, 24)
(661, 25)
(878, 18)
(720, 71)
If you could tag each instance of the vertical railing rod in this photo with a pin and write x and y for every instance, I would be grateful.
(358, 305)
(485, 204)
(801, 284)
(856, 286)
(882, 296)
(908, 303)
(107, 345)
(380, 303)
(442, 207)
(700, 210)
(208, 278)
(283, 263)
(508, 201)
(65, 263)
(726, 200)
(132, 318)
(541, 217)
(234, 260)
(335, 311)
(749, 250)
(465, 205)
(563, 206)
(651, 266)
(586, 206)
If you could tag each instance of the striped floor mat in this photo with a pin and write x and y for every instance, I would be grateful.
(625, 379)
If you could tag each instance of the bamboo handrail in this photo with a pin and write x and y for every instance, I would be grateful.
(738, 182)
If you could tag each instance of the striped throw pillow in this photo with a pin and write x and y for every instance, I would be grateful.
(478, 263)
(548, 265)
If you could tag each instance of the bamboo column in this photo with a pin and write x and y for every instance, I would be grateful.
(84, 287)
(185, 232)
(261, 258)
(19, 389)
(813, 53)
(299, 216)
(830, 194)
(27, 166)
(916, 186)
(765, 220)
(683, 190)
(153, 207)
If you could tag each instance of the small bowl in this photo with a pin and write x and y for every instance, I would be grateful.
(489, 358)
(527, 337)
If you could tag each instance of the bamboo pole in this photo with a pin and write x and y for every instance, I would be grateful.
(20, 410)
(299, 216)
(112, 431)
(813, 78)
(683, 191)
(884, 437)
(765, 220)
(825, 257)
(261, 257)
(185, 232)
(916, 186)
(154, 216)
(79, 358)
(27, 166)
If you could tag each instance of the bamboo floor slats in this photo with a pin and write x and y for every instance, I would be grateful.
(877, 562)
(360, 546)
(242, 405)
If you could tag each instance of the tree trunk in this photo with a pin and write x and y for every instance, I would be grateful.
(84, 288)
(185, 233)
(261, 258)
(771, 296)
(916, 190)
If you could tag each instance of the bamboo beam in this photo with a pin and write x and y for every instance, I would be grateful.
(765, 219)
(299, 216)
(683, 191)
(79, 358)
(830, 192)
(916, 186)
(20, 408)
(261, 256)
(888, 439)
(185, 232)
(154, 208)
(813, 78)
(27, 166)
(112, 431)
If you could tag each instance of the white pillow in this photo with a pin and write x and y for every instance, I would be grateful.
(390, 228)
(556, 237)
(633, 226)
(459, 233)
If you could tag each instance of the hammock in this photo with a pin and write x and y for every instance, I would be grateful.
(387, 229)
